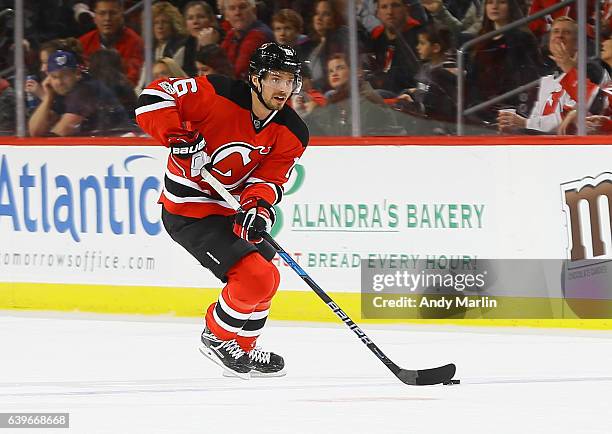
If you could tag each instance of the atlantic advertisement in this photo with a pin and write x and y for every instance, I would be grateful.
(89, 214)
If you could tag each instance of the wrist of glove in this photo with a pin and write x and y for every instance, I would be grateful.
(186, 146)
(257, 216)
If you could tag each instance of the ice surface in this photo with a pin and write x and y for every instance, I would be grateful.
(118, 375)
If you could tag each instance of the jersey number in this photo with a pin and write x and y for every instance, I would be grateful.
(185, 85)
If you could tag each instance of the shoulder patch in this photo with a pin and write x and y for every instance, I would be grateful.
(167, 87)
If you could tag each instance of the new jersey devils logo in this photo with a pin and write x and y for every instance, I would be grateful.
(233, 162)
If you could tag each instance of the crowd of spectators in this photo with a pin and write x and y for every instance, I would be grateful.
(85, 62)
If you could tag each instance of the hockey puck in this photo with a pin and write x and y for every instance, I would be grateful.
(451, 382)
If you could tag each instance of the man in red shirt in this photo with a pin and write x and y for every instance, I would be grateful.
(250, 140)
(111, 32)
(246, 35)
(394, 45)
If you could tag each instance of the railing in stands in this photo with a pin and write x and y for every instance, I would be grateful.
(134, 8)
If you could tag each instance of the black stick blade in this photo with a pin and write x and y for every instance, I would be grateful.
(427, 377)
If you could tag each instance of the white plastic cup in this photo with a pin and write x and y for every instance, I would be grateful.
(507, 110)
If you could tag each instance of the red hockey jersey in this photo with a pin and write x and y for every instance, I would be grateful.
(251, 158)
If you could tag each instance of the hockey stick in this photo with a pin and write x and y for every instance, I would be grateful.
(420, 377)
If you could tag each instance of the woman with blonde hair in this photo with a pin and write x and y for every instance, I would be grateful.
(169, 31)
(169, 34)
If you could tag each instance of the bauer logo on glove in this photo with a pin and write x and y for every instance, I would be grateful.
(187, 146)
(257, 216)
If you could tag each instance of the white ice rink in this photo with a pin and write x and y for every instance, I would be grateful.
(115, 375)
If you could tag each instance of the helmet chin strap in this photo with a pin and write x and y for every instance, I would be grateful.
(258, 92)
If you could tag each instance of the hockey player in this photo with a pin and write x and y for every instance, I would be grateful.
(250, 141)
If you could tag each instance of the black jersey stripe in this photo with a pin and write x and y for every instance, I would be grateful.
(227, 318)
(236, 91)
(254, 324)
(181, 190)
(146, 99)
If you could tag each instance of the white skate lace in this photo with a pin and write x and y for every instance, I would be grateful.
(233, 349)
(258, 355)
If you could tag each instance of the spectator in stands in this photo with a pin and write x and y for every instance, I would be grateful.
(288, 26)
(166, 67)
(598, 123)
(394, 45)
(335, 118)
(329, 35)
(112, 33)
(169, 32)
(557, 92)
(169, 36)
(106, 67)
(465, 17)
(45, 50)
(203, 30)
(246, 35)
(34, 86)
(74, 103)
(309, 97)
(503, 63)
(211, 59)
(436, 93)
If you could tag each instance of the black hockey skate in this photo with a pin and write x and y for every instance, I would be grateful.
(226, 354)
(265, 363)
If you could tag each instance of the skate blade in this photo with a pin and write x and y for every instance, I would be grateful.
(257, 374)
(208, 353)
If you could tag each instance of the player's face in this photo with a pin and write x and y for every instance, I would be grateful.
(108, 18)
(64, 80)
(284, 33)
(196, 19)
(239, 13)
(276, 88)
(337, 73)
(392, 13)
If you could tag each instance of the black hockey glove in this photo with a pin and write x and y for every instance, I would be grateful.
(258, 216)
(186, 146)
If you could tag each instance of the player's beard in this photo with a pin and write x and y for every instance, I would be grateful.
(276, 103)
